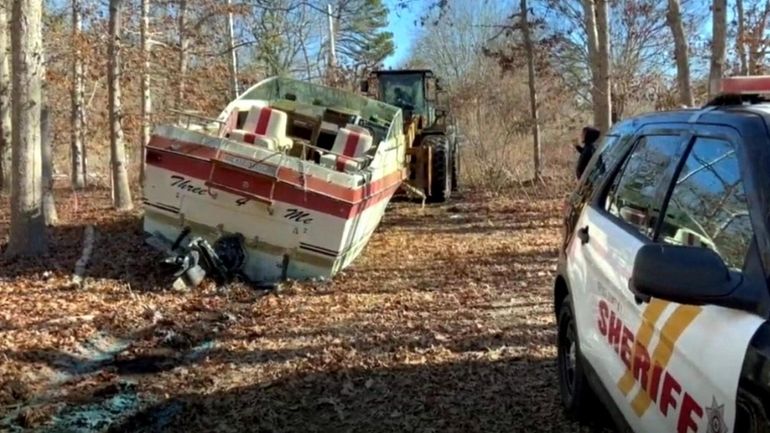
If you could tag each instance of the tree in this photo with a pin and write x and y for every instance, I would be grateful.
(274, 31)
(184, 43)
(77, 137)
(233, 53)
(741, 37)
(604, 103)
(642, 49)
(454, 40)
(719, 34)
(756, 41)
(5, 101)
(27, 232)
(536, 149)
(49, 204)
(146, 91)
(120, 186)
(681, 52)
(280, 30)
(360, 40)
(597, 29)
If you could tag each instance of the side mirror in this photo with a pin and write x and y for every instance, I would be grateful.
(365, 86)
(686, 275)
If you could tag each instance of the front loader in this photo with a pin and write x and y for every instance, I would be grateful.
(432, 153)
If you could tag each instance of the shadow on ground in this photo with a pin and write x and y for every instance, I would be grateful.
(471, 396)
(119, 253)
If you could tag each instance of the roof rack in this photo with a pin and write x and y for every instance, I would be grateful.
(742, 90)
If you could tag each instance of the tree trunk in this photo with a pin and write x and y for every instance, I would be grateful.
(681, 52)
(146, 91)
(233, 53)
(604, 104)
(719, 28)
(755, 42)
(77, 139)
(28, 233)
(183, 45)
(5, 101)
(536, 148)
(589, 17)
(49, 204)
(120, 186)
(740, 43)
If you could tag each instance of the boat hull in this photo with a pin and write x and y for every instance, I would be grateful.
(295, 225)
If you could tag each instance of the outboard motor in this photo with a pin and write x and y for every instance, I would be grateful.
(223, 261)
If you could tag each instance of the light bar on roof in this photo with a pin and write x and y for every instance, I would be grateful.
(745, 85)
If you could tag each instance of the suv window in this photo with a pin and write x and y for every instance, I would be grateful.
(631, 196)
(708, 205)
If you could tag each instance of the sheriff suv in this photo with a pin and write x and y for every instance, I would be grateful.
(661, 295)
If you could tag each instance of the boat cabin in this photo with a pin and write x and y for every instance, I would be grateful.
(335, 129)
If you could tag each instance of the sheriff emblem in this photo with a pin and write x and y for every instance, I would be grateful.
(715, 414)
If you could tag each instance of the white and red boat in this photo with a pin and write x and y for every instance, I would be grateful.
(300, 173)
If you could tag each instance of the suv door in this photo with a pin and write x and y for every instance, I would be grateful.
(611, 229)
(662, 354)
(698, 357)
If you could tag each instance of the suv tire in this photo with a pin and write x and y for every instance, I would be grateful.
(579, 400)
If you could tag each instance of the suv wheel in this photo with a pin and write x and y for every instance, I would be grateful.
(576, 395)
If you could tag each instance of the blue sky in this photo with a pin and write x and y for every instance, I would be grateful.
(402, 23)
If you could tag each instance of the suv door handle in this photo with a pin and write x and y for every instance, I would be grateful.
(583, 235)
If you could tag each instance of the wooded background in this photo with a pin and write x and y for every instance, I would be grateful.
(520, 85)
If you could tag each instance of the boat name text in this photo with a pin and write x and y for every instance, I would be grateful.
(298, 216)
(185, 185)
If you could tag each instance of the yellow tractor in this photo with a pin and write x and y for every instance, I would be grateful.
(432, 152)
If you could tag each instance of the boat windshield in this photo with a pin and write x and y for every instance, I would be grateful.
(280, 88)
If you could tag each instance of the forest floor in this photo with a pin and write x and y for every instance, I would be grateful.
(444, 324)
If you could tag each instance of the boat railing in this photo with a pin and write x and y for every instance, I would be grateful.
(323, 151)
(187, 117)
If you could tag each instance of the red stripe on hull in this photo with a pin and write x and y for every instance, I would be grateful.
(262, 188)
(195, 163)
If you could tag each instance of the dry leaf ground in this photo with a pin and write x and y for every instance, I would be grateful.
(445, 324)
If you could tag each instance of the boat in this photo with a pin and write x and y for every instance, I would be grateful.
(288, 182)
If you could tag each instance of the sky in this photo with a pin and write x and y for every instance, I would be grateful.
(401, 22)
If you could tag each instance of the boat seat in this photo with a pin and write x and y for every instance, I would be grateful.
(264, 127)
(251, 138)
(351, 145)
(358, 128)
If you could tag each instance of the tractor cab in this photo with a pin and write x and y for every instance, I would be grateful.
(414, 91)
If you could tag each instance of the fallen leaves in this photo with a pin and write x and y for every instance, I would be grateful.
(443, 324)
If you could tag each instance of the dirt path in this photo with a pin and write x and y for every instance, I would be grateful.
(443, 325)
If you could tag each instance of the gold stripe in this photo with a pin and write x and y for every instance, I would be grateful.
(651, 314)
(680, 319)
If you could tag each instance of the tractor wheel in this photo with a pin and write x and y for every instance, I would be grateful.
(441, 170)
